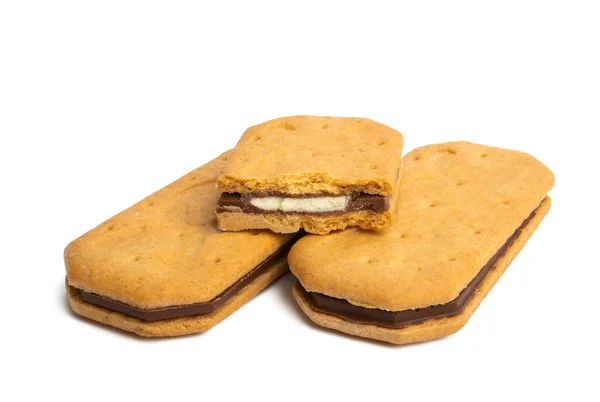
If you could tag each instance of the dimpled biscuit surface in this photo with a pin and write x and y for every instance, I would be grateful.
(311, 155)
(456, 206)
(166, 250)
(433, 328)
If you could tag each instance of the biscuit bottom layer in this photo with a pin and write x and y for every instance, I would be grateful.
(318, 204)
(398, 319)
(188, 309)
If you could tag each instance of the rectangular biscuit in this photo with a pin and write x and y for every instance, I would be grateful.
(314, 173)
(463, 213)
(163, 268)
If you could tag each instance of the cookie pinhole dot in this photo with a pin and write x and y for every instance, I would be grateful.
(181, 234)
(417, 158)
(381, 142)
(461, 182)
(243, 159)
(257, 138)
(288, 126)
(151, 204)
(374, 166)
(452, 259)
(451, 151)
(484, 155)
(478, 231)
(314, 153)
(433, 204)
(218, 260)
(505, 202)
(136, 258)
(110, 228)
(325, 126)
(192, 178)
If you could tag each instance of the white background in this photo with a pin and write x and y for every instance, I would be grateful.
(102, 103)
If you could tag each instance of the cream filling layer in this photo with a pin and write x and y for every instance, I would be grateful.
(315, 204)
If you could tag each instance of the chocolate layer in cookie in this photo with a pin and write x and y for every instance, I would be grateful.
(190, 309)
(265, 203)
(397, 319)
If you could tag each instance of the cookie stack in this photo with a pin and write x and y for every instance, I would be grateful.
(396, 249)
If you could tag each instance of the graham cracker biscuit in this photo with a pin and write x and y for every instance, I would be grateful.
(175, 326)
(462, 213)
(312, 173)
(163, 268)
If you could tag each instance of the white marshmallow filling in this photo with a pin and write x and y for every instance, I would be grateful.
(312, 204)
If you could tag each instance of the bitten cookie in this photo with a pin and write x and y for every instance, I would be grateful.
(462, 214)
(163, 268)
(313, 173)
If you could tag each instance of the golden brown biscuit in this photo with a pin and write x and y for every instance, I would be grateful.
(314, 173)
(461, 208)
(163, 268)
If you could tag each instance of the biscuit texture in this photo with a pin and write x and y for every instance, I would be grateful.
(312, 155)
(456, 206)
(166, 250)
(175, 326)
(436, 327)
(315, 224)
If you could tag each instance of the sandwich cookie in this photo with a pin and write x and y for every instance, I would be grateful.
(313, 173)
(163, 268)
(462, 214)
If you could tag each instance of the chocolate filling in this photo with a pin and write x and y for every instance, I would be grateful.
(188, 309)
(398, 319)
(235, 202)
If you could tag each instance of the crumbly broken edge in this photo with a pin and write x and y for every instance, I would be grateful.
(315, 224)
(305, 183)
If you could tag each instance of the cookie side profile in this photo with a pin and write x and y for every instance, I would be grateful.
(163, 268)
(314, 173)
(184, 325)
(464, 211)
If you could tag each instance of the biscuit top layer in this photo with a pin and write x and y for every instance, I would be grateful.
(166, 250)
(311, 155)
(456, 206)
